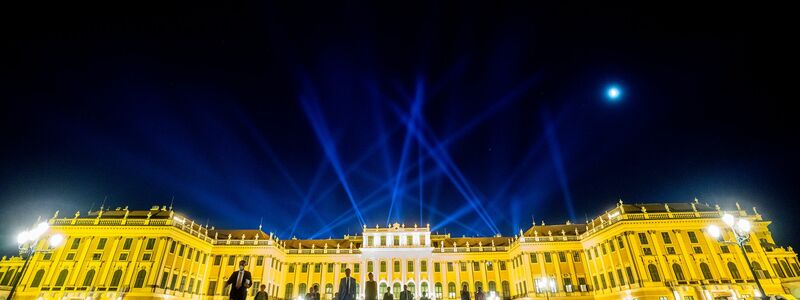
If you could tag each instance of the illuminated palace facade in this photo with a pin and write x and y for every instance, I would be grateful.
(630, 252)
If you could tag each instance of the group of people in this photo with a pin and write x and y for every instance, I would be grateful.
(241, 280)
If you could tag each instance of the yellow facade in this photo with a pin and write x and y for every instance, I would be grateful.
(631, 252)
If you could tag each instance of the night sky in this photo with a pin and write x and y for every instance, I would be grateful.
(472, 117)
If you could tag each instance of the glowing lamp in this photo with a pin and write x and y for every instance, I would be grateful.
(714, 231)
(743, 225)
(23, 237)
(728, 219)
(56, 240)
(613, 93)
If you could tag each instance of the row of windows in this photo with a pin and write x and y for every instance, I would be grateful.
(395, 241)
(548, 258)
(101, 243)
(397, 287)
(88, 279)
(410, 266)
(276, 264)
(183, 249)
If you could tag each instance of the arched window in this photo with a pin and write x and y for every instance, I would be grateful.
(37, 279)
(289, 290)
(678, 272)
(423, 287)
(734, 270)
(706, 271)
(492, 286)
(62, 277)
(779, 270)
(653, 272)
(478, 285)
(383, 290)
(87, 281)
(396, 288)
(329, 291)
(301, 289)
(116, 278)
(411, 287)
(757, 270)
(140, 277)
(465, 286)
(439, 294)
(506, 290)
(451, 290)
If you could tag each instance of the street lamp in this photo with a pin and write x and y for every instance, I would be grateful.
(741, 232)
(27, 241)
(546, 284)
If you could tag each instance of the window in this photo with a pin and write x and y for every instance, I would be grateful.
(724, 249)
(621, 278)
(396, 288)
(647, 251)
(116, 278)
(410, 266)
(576, 256)
(383, 240)
(172, 247)
(423, 266)
(288, 294)
(603, 248)
(629, 272)
(611, 246)
(62, 277)
(451, 290)
(87, 281)
(653, 272)
(164, 279)
(304, 268)
(568, 284)
(692, 237)
(330, 268)
(97, 256)
(317, 268)
(437, 289)
(146, 256)
(698, 250)
(611, 279)
(140, 277)
(383, 266)
(621, 243)
(665, 237)
(437, 267)
(534, 258)
(506, 289)
(734, 270)
(127, 244)
(37, 279)
(329, 290)
(757, 270)
(396, 267)
(547, 257)
(7, 278)
(489, 266)
(370, 240)
(603, 281)
(449, 267)
(383, 289)
(231, 260)
(370, 266)
(706, 271)
(476, 266)
(301, 289)
(396, 240)
(123, 256)
(75, 243)
(642, 238)
(259, 260)
(748, 248)
(561, 257)
(463, 266)
(71, 256)
(670, 250)
(101, 243)
(151, 243)
(217, 260)
(777, 267)
(676, 268)
(502, 265)
(409, 240)
(180, 252)
(356, 268)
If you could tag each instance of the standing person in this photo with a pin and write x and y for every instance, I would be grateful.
(262, 293)
(424, 296)
(479, 294)
(316, 292)
(240, 281)
(388, 295)
(464, 292)
(347, 287)
(310, 294)
(371, 288)
(406, 294)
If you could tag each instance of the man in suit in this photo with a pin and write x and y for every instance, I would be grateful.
(240, 281)
(406, 294)
(347, 287)
(388, 295)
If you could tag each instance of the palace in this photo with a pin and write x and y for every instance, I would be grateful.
(630, 252)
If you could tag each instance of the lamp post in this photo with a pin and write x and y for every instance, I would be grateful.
(28, 240)
(741, 231)
(546, 284)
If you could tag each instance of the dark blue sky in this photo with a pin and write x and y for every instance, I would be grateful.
(471, 118)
